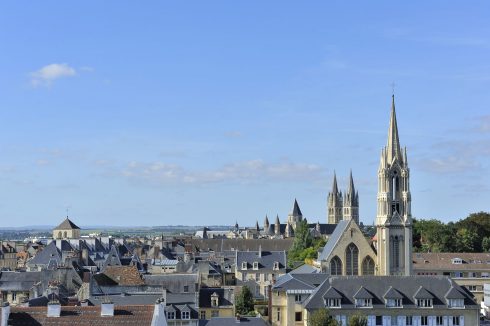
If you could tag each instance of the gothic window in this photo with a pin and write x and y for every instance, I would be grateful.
(351, 260)
(335, 266)
(396, 252)
(59, 235)
(368, 266)
(64, 234)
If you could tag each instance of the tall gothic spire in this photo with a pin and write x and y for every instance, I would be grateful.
(335, 188)
(351, 191)
(393, 147)
(296, 210)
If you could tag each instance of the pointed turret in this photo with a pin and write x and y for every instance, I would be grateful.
(334, 211)
(351, 202)
(393, 147)
(295, 216)
(277, 226)
(257, 228)
(296, 210)
(266, 223)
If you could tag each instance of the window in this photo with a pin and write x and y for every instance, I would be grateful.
(298, 316)
(244, 265)
(424, 303)
(332, 303)
(471, 274)
(368, 266)
(256, 265)
(276, 266)
(457, 261)
(297, 297)
(363, 303)
(458, 274)
(485, 274)
(14, 296)
(394, 320)
(186, 288)
(214, 301)
(439, 321)
(214, 313)
(278, 314)
(456, 321)
(379, 320)
(203, 315)
(408, 320)
(335, 266)
(186, 315)
(424, 321)
(393, 303)
(351, 260)
(472, 287)
(257, 291)
(396, 252)
(456, 303)
(171, 314)
(257, 277)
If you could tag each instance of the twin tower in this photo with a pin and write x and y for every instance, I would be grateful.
(343, 207)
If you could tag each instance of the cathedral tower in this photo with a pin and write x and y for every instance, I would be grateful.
(295, 216)
(334, 203)
(394, 219)
(351, 202)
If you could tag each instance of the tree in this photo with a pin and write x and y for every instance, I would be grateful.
(300, 250)
(485, 244)
(321, 317)
(244, 302)
(358, 320)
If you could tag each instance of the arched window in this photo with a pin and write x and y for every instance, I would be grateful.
(352, 260)
(396, 252)
(64, 234)
(59, 235)
(335, 266)
(368, 266)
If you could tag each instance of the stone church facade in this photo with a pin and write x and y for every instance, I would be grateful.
(348, 251)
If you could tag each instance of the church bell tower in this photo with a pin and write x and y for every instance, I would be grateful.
(394, 218)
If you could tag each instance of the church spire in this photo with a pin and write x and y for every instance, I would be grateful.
(393, 147)
(351, 191)
(335, 189)
(296, 210)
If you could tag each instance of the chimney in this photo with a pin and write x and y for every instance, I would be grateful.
(5, 314)
(85, 256)
(84, 303)
(159, 318)
(54, 309)
(107, 309)
(260, 250)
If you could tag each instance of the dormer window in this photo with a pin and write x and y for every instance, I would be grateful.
(186, 315)
(244, 265)
(364, 303)
(332, 303)
(394, 303)
(214, 300)
(276, 266)
(256, 265)
(456, 303)
(170, 314)
(457, 261)
(424, 303)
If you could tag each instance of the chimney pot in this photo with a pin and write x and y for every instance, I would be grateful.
(107, 309)
(54, 309)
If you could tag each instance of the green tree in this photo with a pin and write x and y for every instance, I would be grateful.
(358, 320)
(302, 241)
(321, 317)
(467, 240)
(485, 244)
(244, 302)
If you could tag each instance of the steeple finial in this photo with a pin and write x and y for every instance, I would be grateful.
(296, 210)
(393, 146)
(335, 188)
(351, 190)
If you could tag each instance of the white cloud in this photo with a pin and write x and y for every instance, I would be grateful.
(48, 74)
(252, 171)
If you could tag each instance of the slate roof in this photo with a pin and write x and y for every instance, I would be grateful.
(334, 239)
(67, 224)
(48, 253)
(18, 281)
(265, 259)
(299, 282)
(225, 297)
(174, 282)
(227, 321)
(305, 269)
(124, 275)
(221, 245)
(377, 286)
(126, 299)
(84, 316)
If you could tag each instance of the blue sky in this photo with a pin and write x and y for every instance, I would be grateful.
(211, 112)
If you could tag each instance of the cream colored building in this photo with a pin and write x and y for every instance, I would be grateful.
(66, 230)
